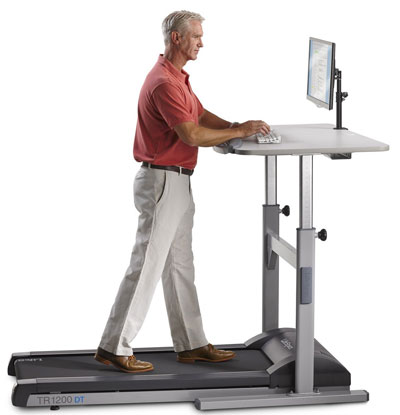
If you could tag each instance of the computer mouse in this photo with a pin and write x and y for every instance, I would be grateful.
(235, 142)
(229, 145)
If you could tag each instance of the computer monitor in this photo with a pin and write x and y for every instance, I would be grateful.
(321, 72)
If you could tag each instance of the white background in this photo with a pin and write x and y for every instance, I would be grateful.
(70, 76)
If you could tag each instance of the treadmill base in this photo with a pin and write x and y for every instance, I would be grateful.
(204, 399)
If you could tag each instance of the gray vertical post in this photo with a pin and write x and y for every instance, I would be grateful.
(304, 369)
(270, 267)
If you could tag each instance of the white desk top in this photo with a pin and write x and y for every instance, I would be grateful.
(306, 139)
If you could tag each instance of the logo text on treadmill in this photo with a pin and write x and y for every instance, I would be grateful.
(287, 344)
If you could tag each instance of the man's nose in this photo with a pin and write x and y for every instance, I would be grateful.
(200, 44)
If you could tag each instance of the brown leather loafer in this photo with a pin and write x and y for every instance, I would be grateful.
(206, 353)
(125, 363)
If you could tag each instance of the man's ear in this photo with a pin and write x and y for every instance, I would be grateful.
(175, 38)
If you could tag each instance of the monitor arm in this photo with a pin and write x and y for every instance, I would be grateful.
(340, 97)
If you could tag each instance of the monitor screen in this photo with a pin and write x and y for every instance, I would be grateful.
(321, 72)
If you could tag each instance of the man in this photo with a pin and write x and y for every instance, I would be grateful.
(171, 125)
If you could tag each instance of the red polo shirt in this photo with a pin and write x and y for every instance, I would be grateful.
(166, 100)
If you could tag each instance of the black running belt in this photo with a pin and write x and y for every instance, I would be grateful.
(82, 372)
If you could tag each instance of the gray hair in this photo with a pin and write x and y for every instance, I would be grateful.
(178, 22)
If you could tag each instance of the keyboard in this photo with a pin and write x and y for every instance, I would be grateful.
(272, 138)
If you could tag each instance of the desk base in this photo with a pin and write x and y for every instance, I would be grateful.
(281, 399)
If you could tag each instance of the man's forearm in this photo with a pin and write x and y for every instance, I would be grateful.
(196, 135)
(210, 120)
(207, 137)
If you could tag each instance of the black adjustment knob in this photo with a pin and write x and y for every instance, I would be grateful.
(286, 210)
(322, 234)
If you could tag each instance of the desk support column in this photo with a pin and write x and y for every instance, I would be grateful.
(270, 266)
(304, 368)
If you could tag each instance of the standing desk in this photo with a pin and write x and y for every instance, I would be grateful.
(305, 141)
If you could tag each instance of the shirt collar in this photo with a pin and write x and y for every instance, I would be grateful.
(182, 75)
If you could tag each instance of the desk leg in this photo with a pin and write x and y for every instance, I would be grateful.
(304, 368)
(270, 267)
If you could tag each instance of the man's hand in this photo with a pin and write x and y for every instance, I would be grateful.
(252, 127)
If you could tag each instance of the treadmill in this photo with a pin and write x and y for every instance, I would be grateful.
(263, 367)
(278, 367)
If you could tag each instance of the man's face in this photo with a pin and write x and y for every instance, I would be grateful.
(191, 41)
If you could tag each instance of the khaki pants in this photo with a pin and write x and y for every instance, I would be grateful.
(163, 248)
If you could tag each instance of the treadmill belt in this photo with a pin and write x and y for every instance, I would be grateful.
(248, 368)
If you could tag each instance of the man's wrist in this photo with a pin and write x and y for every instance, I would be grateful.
(238, 131)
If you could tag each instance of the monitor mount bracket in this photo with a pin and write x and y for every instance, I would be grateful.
(340, 97)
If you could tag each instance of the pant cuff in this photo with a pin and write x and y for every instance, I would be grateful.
(180, 347)
(117, 351)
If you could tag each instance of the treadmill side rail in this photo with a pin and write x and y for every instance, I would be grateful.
(149, 396)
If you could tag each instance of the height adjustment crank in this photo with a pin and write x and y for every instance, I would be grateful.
(285, 210)
(322, 234)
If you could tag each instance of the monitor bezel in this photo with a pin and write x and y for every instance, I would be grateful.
(316, 101)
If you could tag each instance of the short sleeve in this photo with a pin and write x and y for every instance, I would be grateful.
(170, 103)
(200, 108)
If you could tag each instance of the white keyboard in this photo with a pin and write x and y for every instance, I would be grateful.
(272, 138)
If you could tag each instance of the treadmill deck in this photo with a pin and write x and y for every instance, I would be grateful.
(249, 366)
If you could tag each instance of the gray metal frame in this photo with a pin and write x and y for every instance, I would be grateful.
(270, 268)
(281, 399)
(303, 259)
(304, 372)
